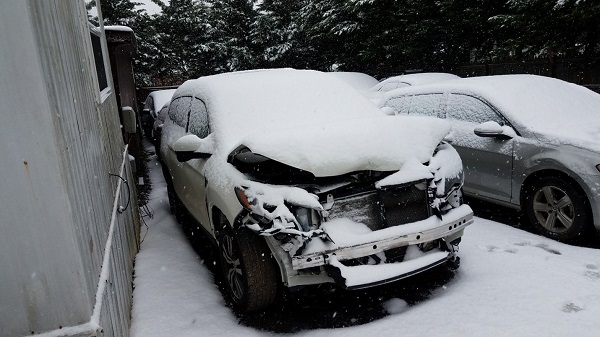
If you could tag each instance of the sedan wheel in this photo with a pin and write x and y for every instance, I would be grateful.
(249, 271)
(553, 209)
(557, 208)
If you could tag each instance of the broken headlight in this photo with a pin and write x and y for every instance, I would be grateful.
(277, 213)
(308, 219)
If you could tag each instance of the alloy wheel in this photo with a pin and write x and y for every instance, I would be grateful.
(553, 209)
(233, 269)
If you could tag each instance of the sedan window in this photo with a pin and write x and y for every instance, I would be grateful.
(389, 86)
(401, 105)
(426, 105)
(198, 119)
(470, 109)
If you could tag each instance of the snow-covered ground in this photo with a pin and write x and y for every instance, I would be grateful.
(510, 283)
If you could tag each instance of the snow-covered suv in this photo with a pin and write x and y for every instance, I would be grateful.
(299, 180)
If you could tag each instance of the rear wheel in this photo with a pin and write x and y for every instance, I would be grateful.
(248, 269)
(557, 208)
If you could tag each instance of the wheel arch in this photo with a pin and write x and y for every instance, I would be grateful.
(530, 179)
(550, 173)
(215, 218)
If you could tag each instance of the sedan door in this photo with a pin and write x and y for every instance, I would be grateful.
(487, 162)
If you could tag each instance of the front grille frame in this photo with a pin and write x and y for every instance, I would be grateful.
(378, 205)
(404, 195)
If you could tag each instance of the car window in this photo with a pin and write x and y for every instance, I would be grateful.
(470, 109)
(198, 118)
(179, 110)
(426, 105)
(389, 86)
(148, 104)
(401, 105)
(162, 115)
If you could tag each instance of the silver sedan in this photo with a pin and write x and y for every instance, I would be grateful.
(528, 142)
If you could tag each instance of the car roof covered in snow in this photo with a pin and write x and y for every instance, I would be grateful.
(417, 79)
(161, 97)
(543, 105)
(239, 103)
(359, 81)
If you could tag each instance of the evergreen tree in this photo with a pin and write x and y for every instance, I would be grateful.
(278, 36)
(181, 42)
(121, 12)
(230, 25)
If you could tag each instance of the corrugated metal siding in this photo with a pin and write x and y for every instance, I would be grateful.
(89, 147)
(116, 309)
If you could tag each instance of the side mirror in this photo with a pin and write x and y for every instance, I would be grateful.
(193, 147)
(493, 130)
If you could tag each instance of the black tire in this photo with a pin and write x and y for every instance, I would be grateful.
(249, 271)
(175, 205)
(557, 208)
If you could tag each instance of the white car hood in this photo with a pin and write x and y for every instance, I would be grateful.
(382, 143)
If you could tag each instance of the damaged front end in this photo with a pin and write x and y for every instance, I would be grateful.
(359, 229)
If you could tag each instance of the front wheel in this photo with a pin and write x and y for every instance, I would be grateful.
(557, 208)
(248, 269)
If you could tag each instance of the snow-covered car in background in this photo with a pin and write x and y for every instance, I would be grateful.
(158, 125)
(300, 180)
(152, 106)
(359, 81)
(529, 142)
(376, 92)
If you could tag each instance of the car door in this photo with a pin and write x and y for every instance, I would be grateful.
(487, 162)
(193, 195)
(174, 128)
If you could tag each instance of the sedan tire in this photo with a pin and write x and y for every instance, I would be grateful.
(557, 209)
(248, 269)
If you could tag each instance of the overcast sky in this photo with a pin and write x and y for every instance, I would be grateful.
(151, 7)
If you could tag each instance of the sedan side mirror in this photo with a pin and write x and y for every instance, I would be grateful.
(193, 147)
(494, 130)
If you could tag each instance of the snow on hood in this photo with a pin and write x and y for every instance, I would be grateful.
(381, 143)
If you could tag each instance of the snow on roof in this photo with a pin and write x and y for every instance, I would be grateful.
(419, 78)
(359, 81)
(161, 97)
(118, 28)
(310, 120)
(543, 105)
(240, 103)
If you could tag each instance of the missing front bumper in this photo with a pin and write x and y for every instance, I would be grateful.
(365, 276)
(449, 229)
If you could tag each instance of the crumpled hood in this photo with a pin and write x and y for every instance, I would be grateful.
(382, 143)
